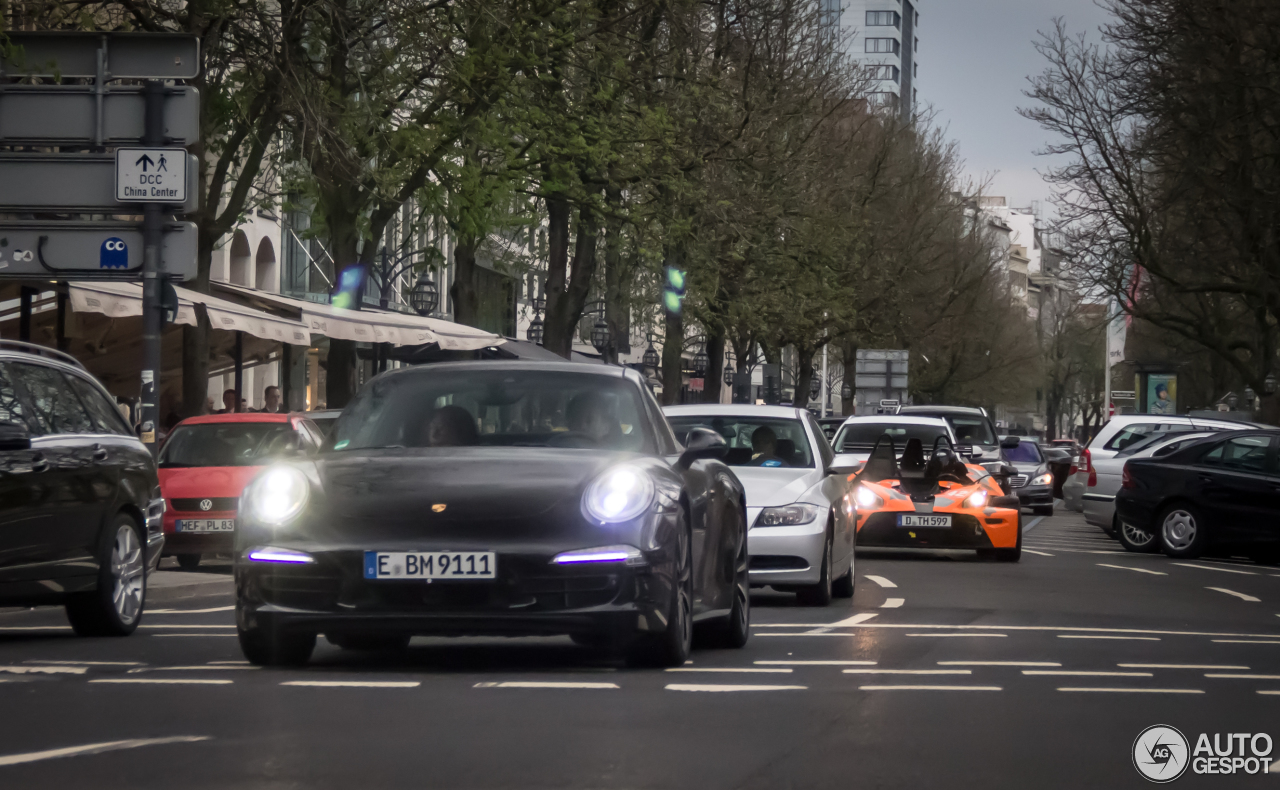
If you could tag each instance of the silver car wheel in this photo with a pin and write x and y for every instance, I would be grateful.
(1179, 529)
(127, 574)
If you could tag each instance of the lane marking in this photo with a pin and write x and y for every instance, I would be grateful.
(729, 669)
(908, 671)
(174, 625)
(96, 748)
(1213, 568)
(372, 684)
(1041, 553)
(58, 670)
(930, 688)
(968, 634)
(1114, 690)
(192, 611)
(1095, 636)
(1016, 628)
(229, 662)
(1084, 672)
(1083, 551)
(832, 663)
(167, 681)
(998, 664)
(855, 620)
(36, 628)
(1272, 694)
(1240, 677)
(1243, 642)
(1239, 595)
(198, 668)
(1127, 568)
(1179, 666)
(880, 580)
(88, 663)
(714, 687)
(893, 603)
(1030, 525)
(232, 636)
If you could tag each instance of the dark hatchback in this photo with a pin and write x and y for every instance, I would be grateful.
(1218, 494)
(80, 506)
(496, 498)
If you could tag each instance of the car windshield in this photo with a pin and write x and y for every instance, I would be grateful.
(971, 430)
(753, 441)
(861, 436)
(494, 407)
(1024, 453)
(226, 444)
(1146, 443)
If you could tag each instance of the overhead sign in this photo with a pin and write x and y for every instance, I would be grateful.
(77, 182)
(69, 114)
(151, 175)
(91, 250)
(134, 56)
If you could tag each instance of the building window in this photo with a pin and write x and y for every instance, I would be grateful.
(883, 19)
(915, 70)
(882, 45)
(883, 72)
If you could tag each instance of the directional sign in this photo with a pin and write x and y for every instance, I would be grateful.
(1122, 394)
(68, 114)
(75, 182)
(91, 250)
(134, 56)
(151, 175)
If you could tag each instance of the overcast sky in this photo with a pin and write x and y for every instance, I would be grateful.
(975, 56)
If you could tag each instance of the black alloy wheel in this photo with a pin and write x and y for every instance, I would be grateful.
(733, 630)
(115, 607)
(273, 647)
(671, 646)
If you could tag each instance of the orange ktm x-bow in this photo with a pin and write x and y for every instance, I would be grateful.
(942, 503)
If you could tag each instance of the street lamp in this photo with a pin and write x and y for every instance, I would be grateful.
(425, 297)
(815, 388)
(700, 362)
(534, 332)
(1270, 384)
(1249, 395)
(728, 373)
(651, 359)
(600, 335)
(846, 392)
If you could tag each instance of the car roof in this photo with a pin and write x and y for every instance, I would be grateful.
(732, 410)
(23, 350)
(896, 419)
(925, 409)
(322, 413)
(248, 416)
(475, 366)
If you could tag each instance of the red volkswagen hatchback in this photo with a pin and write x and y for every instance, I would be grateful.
(204, 466)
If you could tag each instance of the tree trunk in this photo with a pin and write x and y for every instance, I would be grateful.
(340, 372)
(672, 359)
(715, 366)
(849, 360)
(466, 302)
(195, 364)
(804, 375)
(617, 281)
(554, 337)
(564, 312)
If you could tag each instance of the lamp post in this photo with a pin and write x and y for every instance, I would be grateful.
(700, 361)
(600, 336)
(728, 373)
(536, 328)
(651, 359)
(425, 296)
(1269, 385)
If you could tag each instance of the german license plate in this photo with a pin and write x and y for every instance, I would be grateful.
(918, 520)
(430, 565)
(205, 525)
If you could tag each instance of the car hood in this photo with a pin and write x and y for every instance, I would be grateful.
(1029, 469)
(185, 482)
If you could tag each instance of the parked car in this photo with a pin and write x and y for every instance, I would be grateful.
(1124, 430)
(496, 498)
(204, 466)
(800, 536)
(1033, 483)
(970, 427)
(1099, 499)
(80, 505)
(1220, 493)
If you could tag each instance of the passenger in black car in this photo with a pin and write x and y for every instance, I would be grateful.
(451, 426)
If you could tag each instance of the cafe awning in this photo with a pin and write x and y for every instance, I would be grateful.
(370, 326)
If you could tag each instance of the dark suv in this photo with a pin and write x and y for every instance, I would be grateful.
(80, 505)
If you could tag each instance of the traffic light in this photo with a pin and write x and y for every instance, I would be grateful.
(673, 293)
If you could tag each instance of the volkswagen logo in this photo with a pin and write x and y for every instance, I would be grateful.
(206, 504)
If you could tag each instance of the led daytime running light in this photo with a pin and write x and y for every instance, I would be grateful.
(275, 554)
(603, 554)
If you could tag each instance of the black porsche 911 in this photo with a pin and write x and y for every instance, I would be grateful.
(496, 498)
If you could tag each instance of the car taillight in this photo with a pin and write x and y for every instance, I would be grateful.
(1126, 479)
(1088, 465)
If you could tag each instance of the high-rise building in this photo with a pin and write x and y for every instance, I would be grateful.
(881, 35)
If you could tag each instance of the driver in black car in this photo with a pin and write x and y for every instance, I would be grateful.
(589, 414)
(451, 426)
(764, 448)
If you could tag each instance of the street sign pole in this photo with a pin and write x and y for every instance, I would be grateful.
(152, 239)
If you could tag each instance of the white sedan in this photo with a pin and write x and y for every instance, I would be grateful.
(801, 522)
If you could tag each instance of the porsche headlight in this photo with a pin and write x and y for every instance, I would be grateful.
(1042, 480)
(977, 499)
(868, 499)
(786, 516)
(620, 494)
(276, 496)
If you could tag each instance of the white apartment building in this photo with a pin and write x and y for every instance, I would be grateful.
(882, 35)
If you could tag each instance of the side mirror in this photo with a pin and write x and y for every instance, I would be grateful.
(845, 465)
(702, 443)
(14, 436)
(1009, 442)
(1057, 455)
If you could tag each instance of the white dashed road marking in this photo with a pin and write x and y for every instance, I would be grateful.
(1114, 690)
(730, 669)
(1098, 636)
(1178, 666)
(58, 670)
(174, 625)
(1086, 672)
(372, 684)
(167, 681)
(192, 611)
(1243, 642)
(198, 668)
(893, 603)
(86, 663)
(1239, 595)
(96, 748)
(1214, 568)
(209, 636)
(908, 672)
(880, 580)
(1240, 677)
(998, 664)
(713, 687)
(833, 663)
(930, 688)
(1041, 553)
(960, 634)
(1127, 568)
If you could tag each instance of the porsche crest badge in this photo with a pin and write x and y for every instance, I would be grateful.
(438, 508)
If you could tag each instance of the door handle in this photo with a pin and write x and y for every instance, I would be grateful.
(1206, 478)
(38, 462)
(99, 453)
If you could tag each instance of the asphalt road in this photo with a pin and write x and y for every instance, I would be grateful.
(944, 671)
